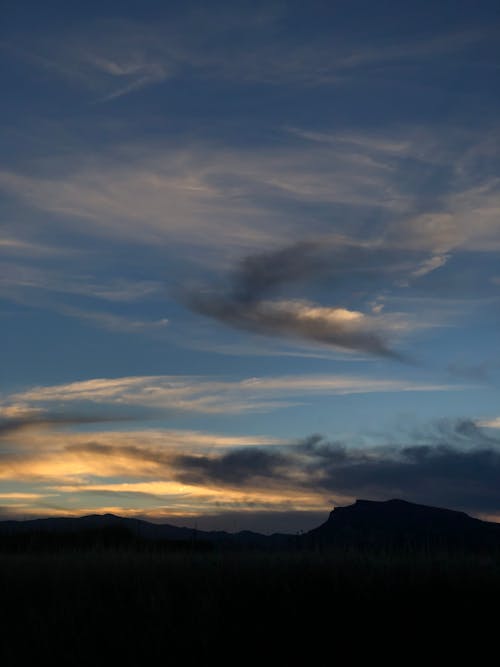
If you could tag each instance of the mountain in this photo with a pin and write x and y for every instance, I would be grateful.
(112, 530)
(365, 524)
(398, 523)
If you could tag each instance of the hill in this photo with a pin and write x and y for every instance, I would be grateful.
(365, 524)
(398, 523)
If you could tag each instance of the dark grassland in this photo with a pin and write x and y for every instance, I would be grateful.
(104, 605)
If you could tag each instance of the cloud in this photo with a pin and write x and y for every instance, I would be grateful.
(454, 464)
(459, 469)
(421, 188)
(21, 496)
(114, 322)
(244, 306)
(109, 59)
(440, 475)
(137, 471)
(117, 57)
(49, 289)
(490, 423)
(259, 274)
(10, 245)
(234, 201)
(139, 194)
(18, 418)
(205, 395)
(237, 467)
(434, 218)
(250, 196)
(430, 265)
(20, 277)
(339, 327)
(447, 226)
(136, 75)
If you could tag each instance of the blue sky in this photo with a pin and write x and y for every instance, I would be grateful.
(249, 258)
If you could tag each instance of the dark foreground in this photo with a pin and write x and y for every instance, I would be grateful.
(104, 606)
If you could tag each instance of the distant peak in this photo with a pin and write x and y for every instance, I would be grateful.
(391, 507)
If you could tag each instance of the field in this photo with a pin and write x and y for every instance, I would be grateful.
(79, 607)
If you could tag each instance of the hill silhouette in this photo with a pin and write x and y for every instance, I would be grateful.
(364, 524)
(109, 530)
(398, 523)
(64, 597)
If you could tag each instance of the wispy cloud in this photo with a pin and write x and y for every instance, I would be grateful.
(108, 60)
(19, 418)
(135, 75)
(231, 198)
(113, 322)
(429, 265)
(50, 289)
(218, 204)
(449, 226)
(207, 395)
(10, 245)
(22, 276)
(118, 57)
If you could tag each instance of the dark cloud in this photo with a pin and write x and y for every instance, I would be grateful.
(118, 494)
(454, 464)
(237, 467)
(245, 304)
(460, 469)
(433, 475)
(259, 274)
(292, 319)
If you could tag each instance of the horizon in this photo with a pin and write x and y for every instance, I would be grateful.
(210, 523)
(249, 257)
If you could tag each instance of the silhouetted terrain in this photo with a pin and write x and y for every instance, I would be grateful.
(365, 524)
(108, 530)
(397, 523)
(103, 590)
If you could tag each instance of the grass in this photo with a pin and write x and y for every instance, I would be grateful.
(78, 606)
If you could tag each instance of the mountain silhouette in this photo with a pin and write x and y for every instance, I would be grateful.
(398, 523)
(112, 530)
(365, 524)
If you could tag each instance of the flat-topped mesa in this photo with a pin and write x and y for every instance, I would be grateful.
(391, 508)
(399, 522)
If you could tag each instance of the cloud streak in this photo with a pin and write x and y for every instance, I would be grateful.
(232, 198)
(205, 395)
(18, 418)
(244, 305)
(22, 276)
(122, 56)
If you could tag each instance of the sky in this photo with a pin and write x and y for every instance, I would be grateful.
(249, 259)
